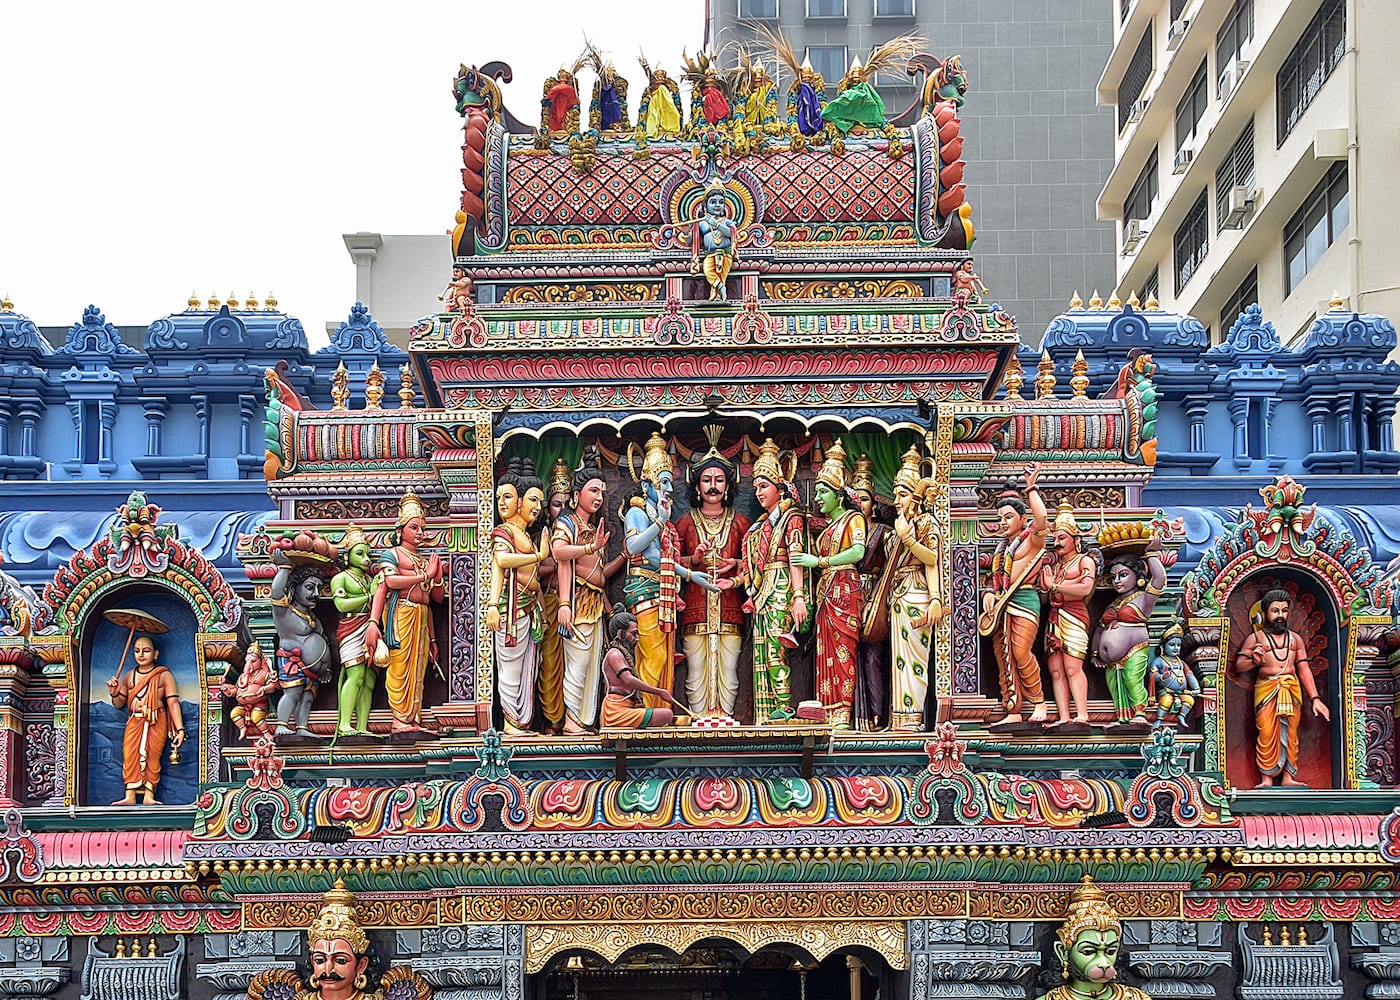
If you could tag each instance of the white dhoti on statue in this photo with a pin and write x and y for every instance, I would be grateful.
(516, 668)
(712, 674)
(583, 672)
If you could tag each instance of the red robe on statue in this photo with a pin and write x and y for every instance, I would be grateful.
(563, 98)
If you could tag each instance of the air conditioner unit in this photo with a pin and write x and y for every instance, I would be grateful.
(1239, 206)
(1176, 32)
(1184, 155)
(1230, 77)
(1138, 109)
(1134, 231)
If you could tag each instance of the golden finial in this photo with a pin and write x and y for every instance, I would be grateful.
(135, 948)
(1045, 377)
(1336, 302)
(213, 304)
(1284, 938)
(1268, 937)
(405, 388)
(1152, 302)
(374, 387)
(1114, 302)
(1075, 301)
(1133, 300)
(1079, 375)
(6, 303)
(251, 303)
(270, 303)
(151, 948)
(121, 948)
(1095, 300)
(1014, 377)
(192, 303)
(340, 388)
(1302, 935)
(233, 302)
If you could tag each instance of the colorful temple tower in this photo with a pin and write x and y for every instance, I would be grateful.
(717, 603)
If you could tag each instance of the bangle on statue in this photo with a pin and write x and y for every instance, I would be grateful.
(823, 562)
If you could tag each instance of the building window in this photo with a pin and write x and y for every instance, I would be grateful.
(829, 61)
(1191, 108)
(826, 8)
(1233, 35)
(1192, 242)
(1236, 170)
(761, 10)
(1320, 48)
(1123, 7)
(1142, 199)
(1246, 295)
(1135, 77)
(894, 8)
(1150, 289)
(1178, 7)
(1316, 225)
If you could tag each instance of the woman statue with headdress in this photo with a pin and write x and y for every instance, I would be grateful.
(857, 103)
(514, 611)
(836, 553)
(916, 600)
(551, 673)
(659, 113)
(871, 704)
(409, 584)
(1121, 643)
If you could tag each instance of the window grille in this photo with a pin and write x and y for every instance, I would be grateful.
(1135, 77)
(1246, 295)
(830, 62)
(1142, 199)
(1237, 30)
(1320, 48)
(1236, 170)
(1191, 108)
(1316, 225)
(1192, 242)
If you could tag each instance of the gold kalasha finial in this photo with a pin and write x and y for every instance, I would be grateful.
(121, 948)
(270, 303)
(1268, 936)
(1114, 302)
(213, 303)
(1045, 377)
(1336, 302)
(1152, 302)
(1014, 377)
(250, 303)
(1079, 375)
(1302, 935)
(1075, 301)
(151, 948)
(405, 388)
(233, 302)
(192, 303)
(6, 304)
(1096, 300)
(1133, 300)
(374, 387)
(1284, 938)
(340, 388)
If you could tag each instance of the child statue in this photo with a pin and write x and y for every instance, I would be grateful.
(1176, 686)
(714, 241)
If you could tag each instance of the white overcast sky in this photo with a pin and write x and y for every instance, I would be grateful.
(152, 149)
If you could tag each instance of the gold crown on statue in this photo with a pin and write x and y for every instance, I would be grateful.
(767, 466)
(561, 478)
(657, 458)
(864, 477)
(354, 535)
(833, 470)
(1174, 629)
(339, 920)
(1089, 909)
(1064, 519)
(409, 508)
(909, 469)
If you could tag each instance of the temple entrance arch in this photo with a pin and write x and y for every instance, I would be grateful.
(725, 962)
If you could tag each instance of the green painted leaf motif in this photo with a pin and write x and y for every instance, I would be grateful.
(641, 796)
(788, 793)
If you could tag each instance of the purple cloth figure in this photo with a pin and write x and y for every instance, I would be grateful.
(809, 110)
(609, 107)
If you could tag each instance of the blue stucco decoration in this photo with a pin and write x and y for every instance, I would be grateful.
(93, 335)
(163, 334)
(225, 332)
(360, 334)
(1251, 337)
(1338, 332)
(18, 333)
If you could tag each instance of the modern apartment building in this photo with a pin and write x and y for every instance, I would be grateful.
(1037, 147)
(1256, 158)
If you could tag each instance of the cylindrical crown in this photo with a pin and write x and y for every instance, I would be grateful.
(767, 466)
(833, 470)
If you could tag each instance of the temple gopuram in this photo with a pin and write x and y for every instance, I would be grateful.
(716, 601)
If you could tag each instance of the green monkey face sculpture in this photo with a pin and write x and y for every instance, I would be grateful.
(1092, 958)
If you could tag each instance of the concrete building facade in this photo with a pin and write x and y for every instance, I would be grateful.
(1038, 148)
(1254, 142)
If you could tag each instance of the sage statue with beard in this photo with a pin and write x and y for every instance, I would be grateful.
(622, 706)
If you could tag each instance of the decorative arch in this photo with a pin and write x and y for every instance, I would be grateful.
(817, 939)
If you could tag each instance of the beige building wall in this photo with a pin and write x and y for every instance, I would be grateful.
(1354, 118)
(399, 278)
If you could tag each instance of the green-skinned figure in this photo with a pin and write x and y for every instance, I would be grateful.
(352, 589)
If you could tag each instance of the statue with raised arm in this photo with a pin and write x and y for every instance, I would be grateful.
(303, 651)
(1011, 608)
(1121, 643)
(1284, 677)
(714, 241)
(654, 574)
(775, 583)
(514, 611)
(836, 554)
(352, 590)
(409, 585)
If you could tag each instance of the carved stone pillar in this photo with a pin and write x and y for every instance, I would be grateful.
(61, 722)
(471, 962)
(1239, 420)
(154, 408)
(1175, 958)
(29, 412)
(33, 966)
(237, 958)
(1375, 950)
(969, 959)
(1318, 409)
